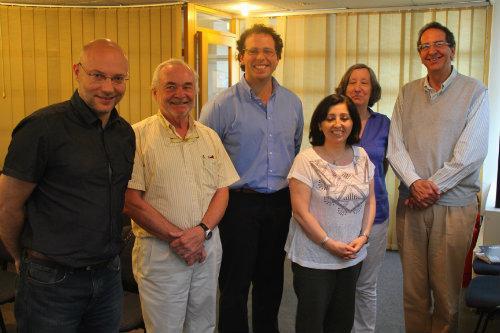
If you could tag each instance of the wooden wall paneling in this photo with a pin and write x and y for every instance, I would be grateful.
(100, 23)
(16, 68)
(166, 33)
(177, 32)
(156, 54)
(122, 38)
(27, 60)
(40, 74)
(69, 52)
(53, 62)
(6, 121)
(88, 25)
(135, 65)
(145, 61)
(111, 24)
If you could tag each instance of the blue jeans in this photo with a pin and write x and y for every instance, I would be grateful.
(52, 298)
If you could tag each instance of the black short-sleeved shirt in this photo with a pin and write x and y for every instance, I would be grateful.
(81, 170)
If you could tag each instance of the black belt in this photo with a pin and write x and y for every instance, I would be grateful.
(247, 190)
(41, 258)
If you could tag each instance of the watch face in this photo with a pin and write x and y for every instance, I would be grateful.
(208, 234)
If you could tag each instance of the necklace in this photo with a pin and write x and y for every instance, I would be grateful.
(337, 160)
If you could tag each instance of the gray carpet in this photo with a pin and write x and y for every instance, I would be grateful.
(389, 312)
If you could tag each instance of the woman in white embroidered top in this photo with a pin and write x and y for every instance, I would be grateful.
(333, 203)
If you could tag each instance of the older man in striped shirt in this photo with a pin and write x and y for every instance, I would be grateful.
(176, 197)
(437, 144)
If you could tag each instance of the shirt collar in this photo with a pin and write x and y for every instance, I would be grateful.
(85, 113)
(432, 92)
(249, 92)
(192, 133)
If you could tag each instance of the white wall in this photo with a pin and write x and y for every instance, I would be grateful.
(491, 162)
(491, 223)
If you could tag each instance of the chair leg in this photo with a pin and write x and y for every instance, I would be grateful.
(486, 321)
(479, 322)
(2, 323)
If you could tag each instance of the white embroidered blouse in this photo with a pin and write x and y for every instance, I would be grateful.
(338, 197)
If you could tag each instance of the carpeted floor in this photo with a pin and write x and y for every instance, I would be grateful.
(389, 312)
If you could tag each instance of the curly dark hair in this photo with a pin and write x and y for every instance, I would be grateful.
(258, 29)
(450, 38)
(376, 92)
(316, 136)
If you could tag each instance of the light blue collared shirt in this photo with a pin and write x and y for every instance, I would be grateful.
(262, 140)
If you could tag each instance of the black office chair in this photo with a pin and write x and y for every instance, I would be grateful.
(131, 314)
(483, 268)
(483, 293)
(7, 283)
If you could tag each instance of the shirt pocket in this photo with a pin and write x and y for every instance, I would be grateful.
(210, 177)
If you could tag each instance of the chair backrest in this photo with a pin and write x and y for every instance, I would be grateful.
(128, 280)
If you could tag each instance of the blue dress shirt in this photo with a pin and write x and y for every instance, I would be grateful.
(374, 141)
(262, 140)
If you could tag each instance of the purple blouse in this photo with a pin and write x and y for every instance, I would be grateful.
(374, 141)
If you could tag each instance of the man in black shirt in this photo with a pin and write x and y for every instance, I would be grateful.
(61, 198)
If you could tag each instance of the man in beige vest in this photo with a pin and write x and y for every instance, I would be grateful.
(437, 144)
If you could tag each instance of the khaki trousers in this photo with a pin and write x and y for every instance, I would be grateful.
(433, 244)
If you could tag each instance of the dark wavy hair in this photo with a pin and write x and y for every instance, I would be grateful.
(316, 136)
(450, 38)
(376, 92)
(258, 29)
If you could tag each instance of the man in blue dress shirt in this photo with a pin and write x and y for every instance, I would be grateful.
(260, 124)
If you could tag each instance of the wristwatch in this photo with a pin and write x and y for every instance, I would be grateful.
(208, 232)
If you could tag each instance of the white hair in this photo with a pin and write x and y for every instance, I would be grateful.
(155, 82)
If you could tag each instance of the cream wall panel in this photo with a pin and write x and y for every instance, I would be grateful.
(39, 45)
(340, 47)
(362, 39)
(464, 42)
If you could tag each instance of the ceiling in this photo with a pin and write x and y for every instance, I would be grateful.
(256, 7)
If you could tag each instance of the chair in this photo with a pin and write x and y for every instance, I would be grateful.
(7, 283)
(131, 314)
(483, 293)
(483, 268)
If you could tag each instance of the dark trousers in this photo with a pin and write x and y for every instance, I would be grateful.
(51, 298)
(253, 233)
(325, 299)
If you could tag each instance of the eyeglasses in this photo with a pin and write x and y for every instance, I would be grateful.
(438, 45)
(101, 78)
(253, 52)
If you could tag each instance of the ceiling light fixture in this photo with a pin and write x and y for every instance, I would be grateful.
(244, 9)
